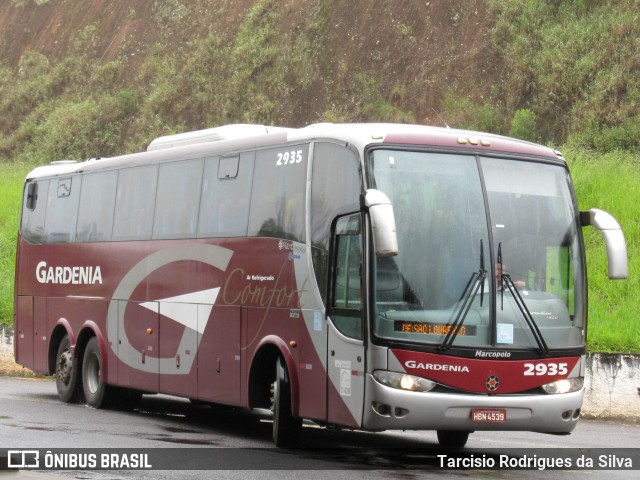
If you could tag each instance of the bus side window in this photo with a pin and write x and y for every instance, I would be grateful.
(135, 201)
(278, 193)
(335, 191)
(33, 212)
(224, 202)
(62, 209)
(178, 199)
(32, 195)
(228, 167)
(346, 300)
(97, 201)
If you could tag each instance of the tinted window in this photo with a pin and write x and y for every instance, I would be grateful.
(335, 190)
(226, 187)
(135, 197)
(278, 198)
(33, 219)
(346, 306)
(228, 167)
(31, 193)
(178, 199)
(97, 201)
(62, 209)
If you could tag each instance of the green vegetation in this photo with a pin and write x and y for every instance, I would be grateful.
(574, 63)
(610, 182)
(562, 73)
(523, 125)
(11, 179)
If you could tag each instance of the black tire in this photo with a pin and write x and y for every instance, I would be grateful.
(96, 391)
(67, 373)
(286, 427)
(453, 438)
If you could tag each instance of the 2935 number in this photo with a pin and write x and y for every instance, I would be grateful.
(289, 158)
(540, 369)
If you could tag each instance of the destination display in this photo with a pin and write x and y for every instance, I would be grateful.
(432, 328)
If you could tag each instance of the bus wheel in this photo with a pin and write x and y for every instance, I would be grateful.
(66, 372)
(96, 391)
(286, 427)
(453, 438)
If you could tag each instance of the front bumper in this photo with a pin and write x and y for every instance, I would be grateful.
(388, 408)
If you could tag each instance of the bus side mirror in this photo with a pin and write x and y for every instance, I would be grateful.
(383, 223)
(613, 238)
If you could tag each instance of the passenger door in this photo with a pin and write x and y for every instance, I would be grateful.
(345, 326)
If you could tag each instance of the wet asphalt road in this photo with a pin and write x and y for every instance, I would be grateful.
(238, 442)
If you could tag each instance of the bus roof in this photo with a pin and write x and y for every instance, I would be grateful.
(231, 138)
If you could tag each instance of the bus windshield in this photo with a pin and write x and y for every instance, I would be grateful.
(489, 253)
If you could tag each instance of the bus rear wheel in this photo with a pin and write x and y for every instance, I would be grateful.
(96, 391)
(453, 438)
(66, 372)
(286, 427)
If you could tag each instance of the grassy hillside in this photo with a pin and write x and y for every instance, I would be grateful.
(76, 82)
(575, 64)
(610, 182)
(11, 179)
(151, 68)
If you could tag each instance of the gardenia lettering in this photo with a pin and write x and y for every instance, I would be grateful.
(89, 275)
(435, 366)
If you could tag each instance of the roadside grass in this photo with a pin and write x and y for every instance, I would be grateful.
(11, 179)
(8, 368)
(610, 182)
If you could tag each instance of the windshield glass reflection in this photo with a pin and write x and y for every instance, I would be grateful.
(449, 284)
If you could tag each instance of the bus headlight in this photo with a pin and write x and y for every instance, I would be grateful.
(403, 381)
(564, 386)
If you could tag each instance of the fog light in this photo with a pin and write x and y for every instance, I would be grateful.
(381, 409)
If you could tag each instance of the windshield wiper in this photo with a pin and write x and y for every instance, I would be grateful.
(522, 306)
(475, 283)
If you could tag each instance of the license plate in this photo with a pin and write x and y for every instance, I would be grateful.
(488, 415)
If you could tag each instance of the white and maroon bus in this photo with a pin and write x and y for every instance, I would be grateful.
(365, 276)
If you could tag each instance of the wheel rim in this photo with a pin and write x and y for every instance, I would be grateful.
(274, 393)
(93, 373)
(65, 368)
